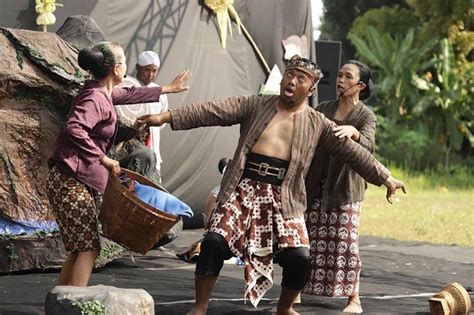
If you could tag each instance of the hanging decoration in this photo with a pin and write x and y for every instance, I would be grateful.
(45, 9)
(224, 10)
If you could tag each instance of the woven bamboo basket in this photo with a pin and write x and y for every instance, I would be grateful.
(453, 299)
(129, 221)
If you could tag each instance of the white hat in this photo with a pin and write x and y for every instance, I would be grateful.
(148, 58)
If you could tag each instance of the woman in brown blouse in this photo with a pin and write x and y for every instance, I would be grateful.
(336, 191)
(79, 166)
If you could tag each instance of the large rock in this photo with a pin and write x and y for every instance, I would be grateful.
(45, 252)
(31, 253)
(39, 76)
(66, 300)
(81, 31)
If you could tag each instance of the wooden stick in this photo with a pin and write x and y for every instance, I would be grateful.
(254, 45)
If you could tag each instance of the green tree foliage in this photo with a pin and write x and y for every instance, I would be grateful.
(339, 16)
(423, 69)
(394, 20)
(421, 54)
(425, 102)
(438, 15)
(447, 105)
(394, 59)
(452, 19)
(401, 145)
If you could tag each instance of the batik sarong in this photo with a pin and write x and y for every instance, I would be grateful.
(252, 223)
(334, 250)
(75, 211)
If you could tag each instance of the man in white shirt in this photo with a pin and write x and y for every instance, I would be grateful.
(138, 152)
(147, 68)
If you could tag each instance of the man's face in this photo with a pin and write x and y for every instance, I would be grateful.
(120, 67)
(295, 87)
(147, 74)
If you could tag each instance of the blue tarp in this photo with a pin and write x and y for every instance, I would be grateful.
(25, 227)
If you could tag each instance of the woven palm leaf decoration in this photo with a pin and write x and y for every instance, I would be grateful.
(45, 9)
(224, 10)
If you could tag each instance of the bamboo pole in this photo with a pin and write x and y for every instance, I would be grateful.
(254, 45)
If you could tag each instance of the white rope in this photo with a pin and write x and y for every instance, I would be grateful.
(385, 297)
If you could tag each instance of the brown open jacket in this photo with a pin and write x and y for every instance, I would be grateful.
(254, 113)
(342, 183)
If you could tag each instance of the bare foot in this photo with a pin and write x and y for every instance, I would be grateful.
(197, 311)
(353, 306)
(288, 311)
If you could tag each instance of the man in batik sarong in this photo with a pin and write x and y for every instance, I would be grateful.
(261, 204)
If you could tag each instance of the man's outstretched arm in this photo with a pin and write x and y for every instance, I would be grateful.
(155, 120)
(227, 112)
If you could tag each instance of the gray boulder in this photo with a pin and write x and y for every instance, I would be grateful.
(69, 300)
(80, 31)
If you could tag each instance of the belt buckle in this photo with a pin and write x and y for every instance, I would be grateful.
(263, 169)
(281, 173)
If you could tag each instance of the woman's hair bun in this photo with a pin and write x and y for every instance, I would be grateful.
(90, 58)
(365, 93)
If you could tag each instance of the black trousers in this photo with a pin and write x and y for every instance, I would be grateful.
(215, 249)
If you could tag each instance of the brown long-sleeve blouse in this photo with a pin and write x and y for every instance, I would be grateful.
(330, 178)
(90, 129)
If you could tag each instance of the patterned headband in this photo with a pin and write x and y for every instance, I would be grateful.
(306, 65)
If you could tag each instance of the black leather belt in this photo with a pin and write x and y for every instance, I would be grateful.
(265, 169)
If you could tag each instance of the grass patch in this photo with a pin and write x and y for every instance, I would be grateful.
(437, 209)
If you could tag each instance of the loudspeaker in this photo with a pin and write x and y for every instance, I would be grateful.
(328, 58)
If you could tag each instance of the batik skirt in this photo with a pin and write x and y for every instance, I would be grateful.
(252, 223)
(334, 250)
(74, 208)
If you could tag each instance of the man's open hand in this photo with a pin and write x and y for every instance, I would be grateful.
(392, 185)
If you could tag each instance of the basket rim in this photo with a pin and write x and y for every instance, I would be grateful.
(143, 178)
(133, 198)
(461, 291)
